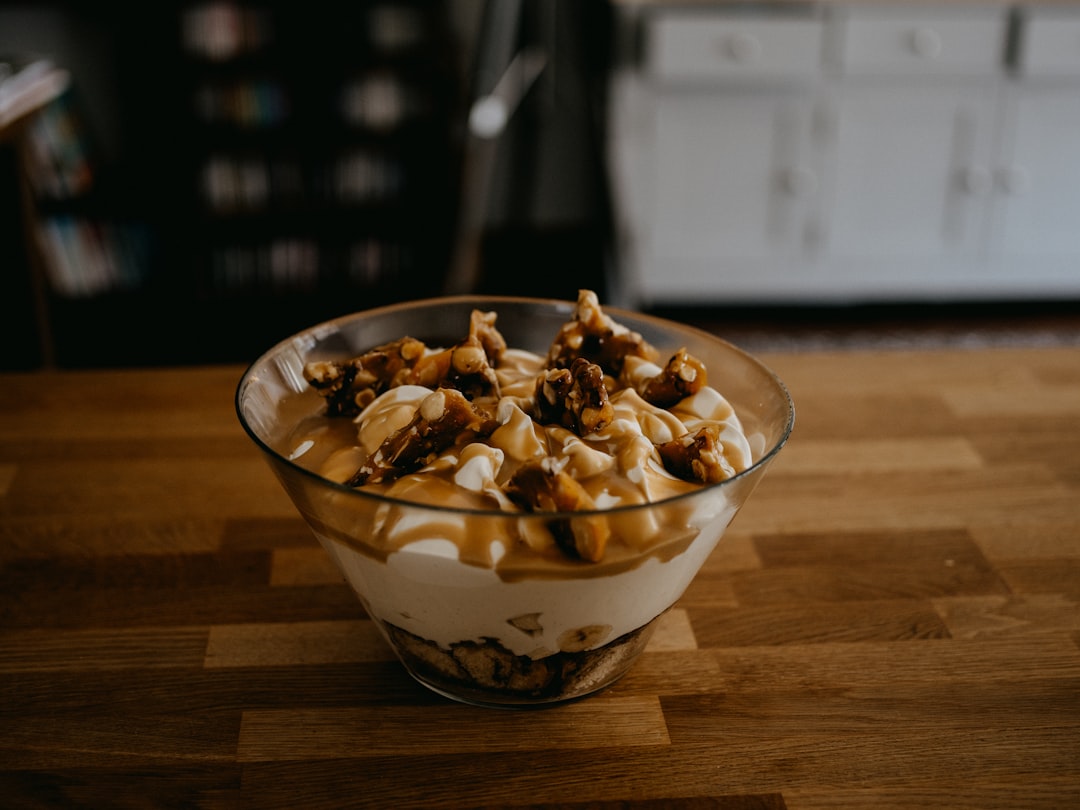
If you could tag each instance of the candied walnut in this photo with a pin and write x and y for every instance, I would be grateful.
(592, 334)
(683, 376)
(467, 366)
(439, 422)
(482, 327)
(697, 456)
(464, 367)
(575, 398)
(350, 385)
(543, 486)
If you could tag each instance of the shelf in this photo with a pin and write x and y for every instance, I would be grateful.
(282, 165)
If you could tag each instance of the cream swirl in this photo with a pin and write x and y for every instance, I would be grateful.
(618, 465)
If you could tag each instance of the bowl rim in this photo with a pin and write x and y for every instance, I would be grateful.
(491, 301)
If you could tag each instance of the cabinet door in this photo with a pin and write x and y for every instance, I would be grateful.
(1038, 177)
(735, 173)
(911, 169)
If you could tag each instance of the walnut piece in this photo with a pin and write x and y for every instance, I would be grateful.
(440, 420)
(482, 327)
(464, 367)
(350, 385)
(542, 485)
(575, 398)
(683, 376)
(697, 456)
(593, 334)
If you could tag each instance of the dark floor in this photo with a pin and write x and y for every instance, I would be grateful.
(557, 263)
(896, 326)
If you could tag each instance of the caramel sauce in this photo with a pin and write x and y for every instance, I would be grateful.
(617, 466)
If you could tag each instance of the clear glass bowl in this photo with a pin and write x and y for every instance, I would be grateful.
(534, 633)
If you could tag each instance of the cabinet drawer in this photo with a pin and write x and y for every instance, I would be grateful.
(1049, 43)
(702, 45)
(922, 41)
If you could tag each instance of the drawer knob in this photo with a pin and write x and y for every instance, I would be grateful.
(740, 47)
(925, 42)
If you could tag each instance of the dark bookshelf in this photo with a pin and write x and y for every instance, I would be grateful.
(281, 164)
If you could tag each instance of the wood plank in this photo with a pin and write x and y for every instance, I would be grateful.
(154, 607)
(90, 650)
(213, 786)
(305, 565)
(815, 622)
(292, 643)
(853, 456)
(77, 535)
(983, 616)
(399, 730)
(995, 496)
(147, 489)
(1048, 792)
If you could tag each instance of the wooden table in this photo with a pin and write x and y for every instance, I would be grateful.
(892, 621)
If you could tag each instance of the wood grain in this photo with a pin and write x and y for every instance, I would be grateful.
(893, 620)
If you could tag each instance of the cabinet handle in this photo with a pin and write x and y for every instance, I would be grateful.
(799, 182)
(740, 47)
(925, 42)
(975, 179)
(1014, 180)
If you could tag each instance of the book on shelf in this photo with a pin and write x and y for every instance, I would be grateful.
(296, 264)
(84, 257)
(59, 153)
(26, 86)
(84, 250)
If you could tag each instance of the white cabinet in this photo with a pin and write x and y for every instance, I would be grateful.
(910, 172)
(1038, 173)
(734, 175)
(716, 180)
(848, 152)
(1036, 215)
(914, 96)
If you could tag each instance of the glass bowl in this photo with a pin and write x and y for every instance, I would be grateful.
(467, 619)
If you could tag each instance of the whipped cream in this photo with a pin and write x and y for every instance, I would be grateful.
(618, 466)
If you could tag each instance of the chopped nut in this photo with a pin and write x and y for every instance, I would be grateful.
(439, 423)
(482, 327)
(575, 398)
(348, 386)
(697, 456)
(592, 334)
(543, 486)
(683, 376)
(464, 367)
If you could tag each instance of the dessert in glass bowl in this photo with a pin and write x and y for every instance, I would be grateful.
(516, 489)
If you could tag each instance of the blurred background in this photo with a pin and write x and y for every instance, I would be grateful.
(190, 182)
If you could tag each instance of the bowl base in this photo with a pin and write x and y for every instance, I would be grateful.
(484, 701)
(484, 673)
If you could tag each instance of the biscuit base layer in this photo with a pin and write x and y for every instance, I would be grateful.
(487, 673)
